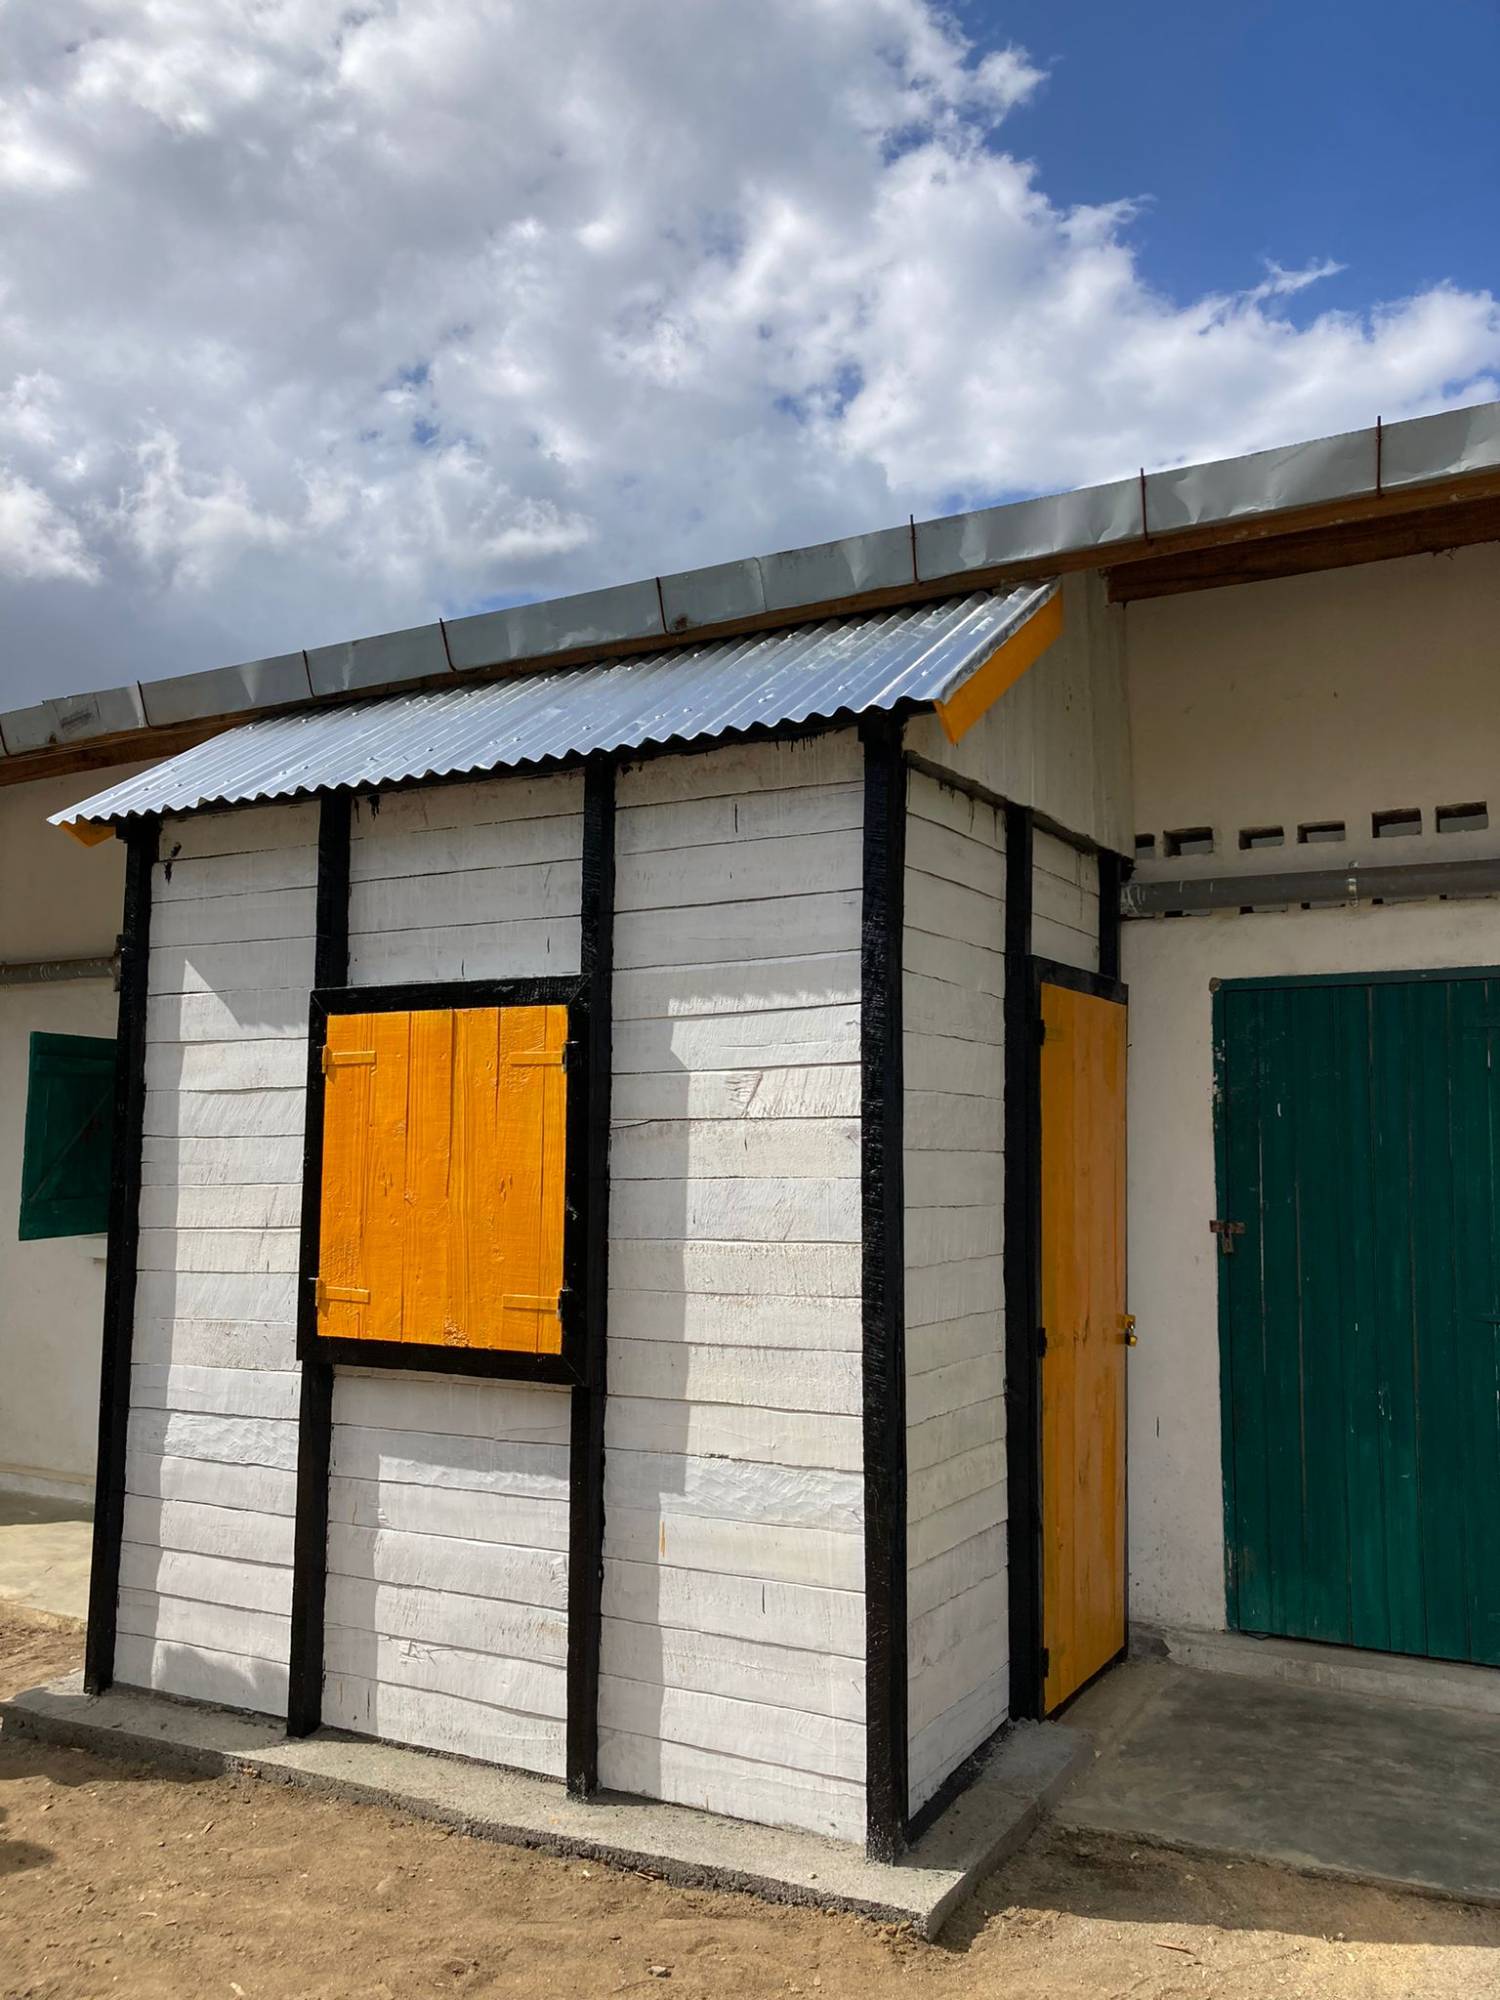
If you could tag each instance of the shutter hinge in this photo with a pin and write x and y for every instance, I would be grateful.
(346, 1059)
(327, 1295)
(523, 1302)
(1226, 1233)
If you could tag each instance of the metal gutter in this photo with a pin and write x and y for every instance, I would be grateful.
(1196, 895)
(50, 971)
(1430, 461)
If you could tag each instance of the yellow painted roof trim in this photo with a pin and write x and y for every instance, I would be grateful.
(1000, 672)
(88, 831)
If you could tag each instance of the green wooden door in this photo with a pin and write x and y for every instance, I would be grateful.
(1358, 1128)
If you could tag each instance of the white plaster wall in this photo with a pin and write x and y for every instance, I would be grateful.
(1332, 696)
(58, 899)
(52, 1291)
(1175, 1481)
(1325, 697)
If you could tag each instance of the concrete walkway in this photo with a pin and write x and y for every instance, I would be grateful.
(44, 1554)
(1334, 1782)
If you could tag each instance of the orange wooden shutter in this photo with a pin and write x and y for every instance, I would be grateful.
(443, 1196)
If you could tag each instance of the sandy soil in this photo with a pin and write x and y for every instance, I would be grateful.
(118, 1880)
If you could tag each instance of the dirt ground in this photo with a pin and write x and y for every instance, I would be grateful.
(118, 1880)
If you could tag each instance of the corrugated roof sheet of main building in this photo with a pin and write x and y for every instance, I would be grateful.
(922, 653)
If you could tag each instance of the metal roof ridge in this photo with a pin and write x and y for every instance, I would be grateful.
(922, 558)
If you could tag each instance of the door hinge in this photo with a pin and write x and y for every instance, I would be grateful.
(1226, 1233)
(1041, 1033)
(1045, 1663)
(1041, 1340)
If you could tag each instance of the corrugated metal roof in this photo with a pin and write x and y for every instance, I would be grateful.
(919, 653)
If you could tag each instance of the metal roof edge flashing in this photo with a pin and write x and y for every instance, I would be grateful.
(1427, 460)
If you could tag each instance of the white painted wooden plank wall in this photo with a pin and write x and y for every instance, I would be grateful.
(733, 1645)
(1065, 903)
(470, 881)
(206, 1558)
(446, 1616)
(446, 1613)
(954, 996)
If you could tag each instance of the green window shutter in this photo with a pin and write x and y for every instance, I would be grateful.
(69, 1125)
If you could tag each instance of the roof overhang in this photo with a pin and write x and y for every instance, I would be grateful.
(958, 657)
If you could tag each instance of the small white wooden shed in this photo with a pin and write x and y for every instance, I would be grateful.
(557, 1300)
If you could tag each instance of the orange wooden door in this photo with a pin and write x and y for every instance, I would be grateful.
(443, 1192)
(1083, 1313)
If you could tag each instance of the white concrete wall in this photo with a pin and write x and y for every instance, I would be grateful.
(51, 1291)
(958, 1675)
(210, 1473)
(1325, 697)
(734, 1637)
(446, 1614)
(1333, 696)
(1059, 740)
(58, 899)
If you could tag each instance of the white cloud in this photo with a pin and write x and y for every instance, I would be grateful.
(316, 319)
(38, 540)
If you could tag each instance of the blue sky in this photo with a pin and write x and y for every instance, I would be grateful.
(1366, 133)
(302, 339)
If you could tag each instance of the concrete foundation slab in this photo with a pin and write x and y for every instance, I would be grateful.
(1027, 1770)
(45, 1550)
(1331, 1782)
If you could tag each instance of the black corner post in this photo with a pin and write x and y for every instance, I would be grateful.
(1023, 1331)
(141, 843)
(1113, 873)
(304, 1707)
(588, 1135)
(882, 1111)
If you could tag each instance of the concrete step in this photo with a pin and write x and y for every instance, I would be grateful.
(1340, 1669)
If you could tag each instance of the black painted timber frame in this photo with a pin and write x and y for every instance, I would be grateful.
(588, 1141)
(141, 844)
(883, 1262)
(304, 1709)
(581, 1366)
(427, 1357)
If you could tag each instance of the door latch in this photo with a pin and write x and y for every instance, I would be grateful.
(1226, 1233)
